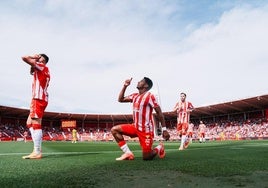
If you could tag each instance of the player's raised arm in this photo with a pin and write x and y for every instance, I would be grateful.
(31, 60)
(121, 97)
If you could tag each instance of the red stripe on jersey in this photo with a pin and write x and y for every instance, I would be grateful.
(183, 115)
(143, 106)
(40, 83)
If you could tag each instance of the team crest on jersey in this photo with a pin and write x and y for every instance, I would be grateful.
(148, 136)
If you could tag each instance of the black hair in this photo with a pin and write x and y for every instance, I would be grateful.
(183, 94)
(149, 82)
(45, 57)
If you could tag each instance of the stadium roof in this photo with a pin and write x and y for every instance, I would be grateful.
(233, 107)
(252, 104)
(244, 105)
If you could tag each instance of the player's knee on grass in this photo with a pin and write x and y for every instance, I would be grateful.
(148, 155)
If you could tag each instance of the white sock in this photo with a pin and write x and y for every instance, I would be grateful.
(186, 139)
(37, 140)
(183, 137)
(125, 149)
(158, 148)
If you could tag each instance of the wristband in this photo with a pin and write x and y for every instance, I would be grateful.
(164, 129)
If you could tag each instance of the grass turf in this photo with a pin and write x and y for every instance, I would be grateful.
(92, 164)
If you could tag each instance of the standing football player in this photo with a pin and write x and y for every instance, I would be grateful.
(201, 132)
(41, 78)
(183, 109)
(144, 102)
(74, 135)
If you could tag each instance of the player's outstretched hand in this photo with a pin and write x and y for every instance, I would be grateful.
(127, 82)
(165, 135)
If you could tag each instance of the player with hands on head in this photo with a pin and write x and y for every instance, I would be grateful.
(41, 78)
(144, 102)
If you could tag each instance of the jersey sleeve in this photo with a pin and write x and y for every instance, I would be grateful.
(131, 97)
(153, 101)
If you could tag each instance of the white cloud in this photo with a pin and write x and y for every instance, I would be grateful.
(95, 45)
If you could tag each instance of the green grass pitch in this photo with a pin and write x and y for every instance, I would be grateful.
(92, 164)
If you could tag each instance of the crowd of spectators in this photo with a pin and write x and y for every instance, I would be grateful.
(231, 130)
(224, 130)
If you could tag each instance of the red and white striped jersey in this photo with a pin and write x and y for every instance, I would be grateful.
(202, 128)
(183, 110)
(143, 106)
(190, 127)
(41, 78)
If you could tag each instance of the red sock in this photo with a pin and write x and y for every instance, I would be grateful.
(121, 143)
(36, 126)
(29, 126)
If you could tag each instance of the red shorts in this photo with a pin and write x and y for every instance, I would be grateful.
(202, 135)
(37, 108)
(190, 134)
(146, 139)
(182, 127)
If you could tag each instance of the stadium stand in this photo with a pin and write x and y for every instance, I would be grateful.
(224, 130)
(241, 119)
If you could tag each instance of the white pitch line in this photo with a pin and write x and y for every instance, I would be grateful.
(68, 153)
(60, 153)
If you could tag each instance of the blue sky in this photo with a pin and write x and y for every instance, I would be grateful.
(215, 51)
